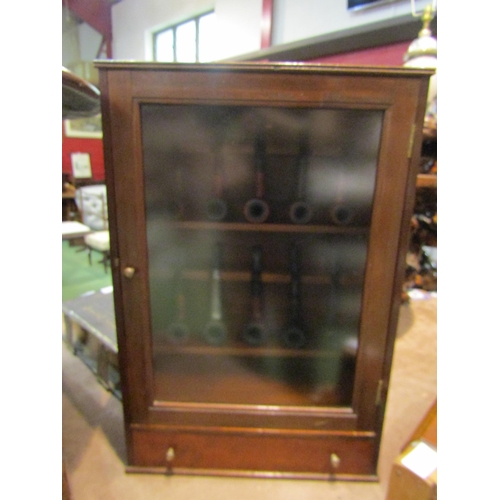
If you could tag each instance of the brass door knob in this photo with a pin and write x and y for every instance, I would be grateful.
(129, 272)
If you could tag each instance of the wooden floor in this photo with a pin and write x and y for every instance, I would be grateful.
(94, 448)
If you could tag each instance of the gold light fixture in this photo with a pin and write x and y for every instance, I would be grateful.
(422, 53)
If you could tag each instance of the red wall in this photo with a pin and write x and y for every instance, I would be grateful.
(80, 145)
(388, 55)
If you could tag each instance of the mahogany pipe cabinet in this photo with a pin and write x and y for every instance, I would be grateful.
(259, 219)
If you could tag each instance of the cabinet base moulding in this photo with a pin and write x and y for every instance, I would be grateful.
(251, 474)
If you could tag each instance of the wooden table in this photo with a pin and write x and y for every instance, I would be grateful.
(91, 334)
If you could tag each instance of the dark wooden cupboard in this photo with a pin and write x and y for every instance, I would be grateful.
(259, 219)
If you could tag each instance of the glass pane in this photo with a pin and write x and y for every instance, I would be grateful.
(207, 38)
(165, 46)
(185, 42)
(257, 225)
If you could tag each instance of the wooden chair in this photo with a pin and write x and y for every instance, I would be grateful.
(92, 202)
(98, 241)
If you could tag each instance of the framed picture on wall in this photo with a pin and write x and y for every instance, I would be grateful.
(80, 162)
(90, 128)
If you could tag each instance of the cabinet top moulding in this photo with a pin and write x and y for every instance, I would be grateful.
(281, 67)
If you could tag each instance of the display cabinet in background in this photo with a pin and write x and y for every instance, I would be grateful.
(259, 219)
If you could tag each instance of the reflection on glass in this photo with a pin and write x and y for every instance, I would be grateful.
(300, 281)
(186, 42)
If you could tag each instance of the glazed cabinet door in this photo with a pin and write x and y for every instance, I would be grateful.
(258, 232)
(257, 241)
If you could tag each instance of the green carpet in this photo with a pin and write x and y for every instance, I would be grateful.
(78, 276)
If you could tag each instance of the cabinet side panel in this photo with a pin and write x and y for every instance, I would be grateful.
(408, 207)
(108, 128)
(386, 256)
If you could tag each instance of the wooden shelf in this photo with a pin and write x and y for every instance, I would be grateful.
(245, 351)
(244, 277)
(251, 381)
(267, 227)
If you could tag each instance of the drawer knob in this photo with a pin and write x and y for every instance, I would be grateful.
(334, 460)
(170, 455)
(129, 272)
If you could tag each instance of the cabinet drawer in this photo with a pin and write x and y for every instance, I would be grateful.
(254, 453)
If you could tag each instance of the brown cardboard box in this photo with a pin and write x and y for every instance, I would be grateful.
(414, 473)
(407, 484)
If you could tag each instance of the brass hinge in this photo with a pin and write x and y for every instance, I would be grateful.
(378, 397)
(412, 139)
